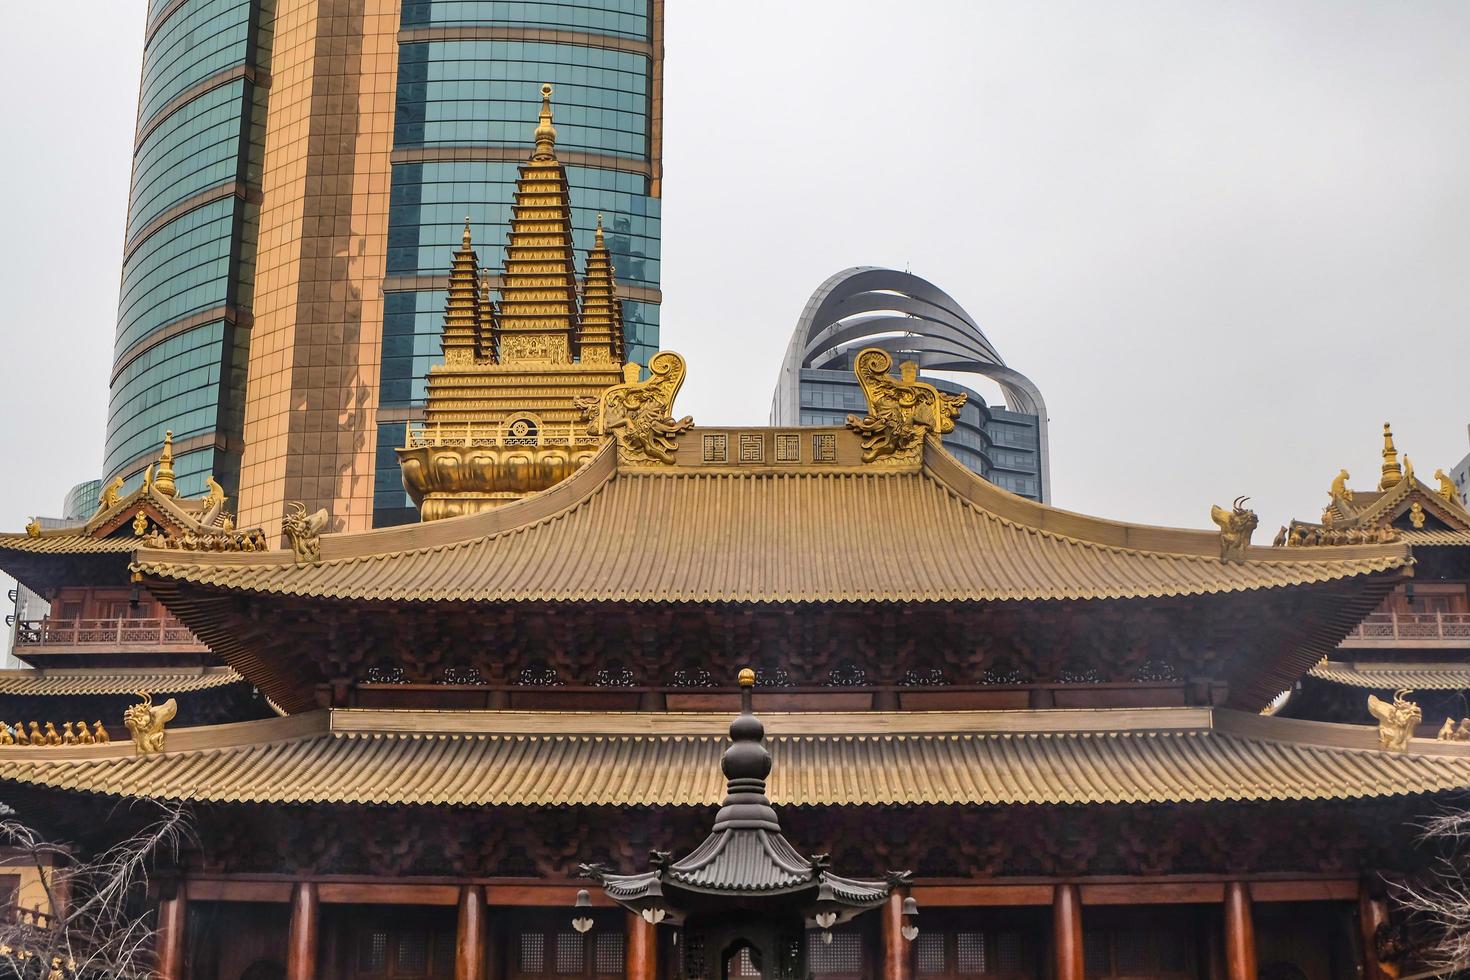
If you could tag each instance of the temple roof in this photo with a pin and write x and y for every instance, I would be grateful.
(1393, 675)
(494, 758)
(95, 550)
(52, 682)
(1402, 507)
(770, 532)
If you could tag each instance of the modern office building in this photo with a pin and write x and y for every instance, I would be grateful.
(914, 320)
(301, 174)
(185, 300)
(1461, 475)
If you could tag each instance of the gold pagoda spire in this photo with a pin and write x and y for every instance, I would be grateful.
(1392, 473)
(489, 346)
(600, 333)
(462, 315)
(164, 482)
(545, 131)
(504, 414)
(538, 294)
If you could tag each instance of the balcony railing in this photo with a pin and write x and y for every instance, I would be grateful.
(1413, 626)
(165, 631)
(518, 432)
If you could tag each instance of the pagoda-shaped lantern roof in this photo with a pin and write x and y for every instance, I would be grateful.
(746, 862)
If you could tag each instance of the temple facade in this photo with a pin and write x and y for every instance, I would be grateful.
(398, 748)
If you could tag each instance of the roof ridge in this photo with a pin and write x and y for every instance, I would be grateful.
(1125, 549)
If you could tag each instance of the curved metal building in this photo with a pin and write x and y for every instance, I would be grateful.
(915, 320)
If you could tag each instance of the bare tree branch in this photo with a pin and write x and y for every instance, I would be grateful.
(1437, 901)
(96, 926)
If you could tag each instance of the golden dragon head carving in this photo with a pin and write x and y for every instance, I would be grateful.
(145, 721)
(1236, 527)
(900, 410)
(639, 414)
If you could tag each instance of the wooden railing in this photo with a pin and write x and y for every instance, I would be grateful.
(18, 914)
(514, 434)
(1413, 626)
(164, 631)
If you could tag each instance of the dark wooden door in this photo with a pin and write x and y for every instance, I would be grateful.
(405, 946)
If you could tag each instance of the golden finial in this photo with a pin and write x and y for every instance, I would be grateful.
(598, 241)
(545, 131)
(1392, 474)
(465, 240)
(163, 482)
(746, 677)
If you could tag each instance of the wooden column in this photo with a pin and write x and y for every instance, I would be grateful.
(469, 939)
(1240, 932)
(302, 942)
(1372, 913)
(172, 919)
(895, 947)
(641, 949)
(1066, 932)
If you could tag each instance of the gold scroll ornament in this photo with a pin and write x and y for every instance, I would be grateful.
(639, 414)
(900, 410)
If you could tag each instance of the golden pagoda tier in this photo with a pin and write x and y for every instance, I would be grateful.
(503, 416)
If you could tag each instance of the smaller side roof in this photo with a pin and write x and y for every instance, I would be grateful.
(163, 681)
(1393, 675)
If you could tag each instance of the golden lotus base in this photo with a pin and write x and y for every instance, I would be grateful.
(451, 481)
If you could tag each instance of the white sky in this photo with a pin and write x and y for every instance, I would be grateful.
(1228, 241)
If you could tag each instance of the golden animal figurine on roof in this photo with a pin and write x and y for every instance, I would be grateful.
(1396, 719)
(901, 411)
(1236, 527)
(146, 720)
(639, 414)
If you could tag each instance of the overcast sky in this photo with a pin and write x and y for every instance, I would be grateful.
(1228, 241)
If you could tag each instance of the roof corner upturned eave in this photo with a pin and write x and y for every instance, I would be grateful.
(427, 536)
(1352, 560)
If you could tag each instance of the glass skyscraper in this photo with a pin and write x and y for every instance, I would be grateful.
(301, 173)
(469, 78)
(179, 359)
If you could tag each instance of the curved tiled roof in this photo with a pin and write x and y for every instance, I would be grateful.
(156, 680)
(1432, 539)
(529, 758)
(763, 534)
(1392, 676)
(70, 541)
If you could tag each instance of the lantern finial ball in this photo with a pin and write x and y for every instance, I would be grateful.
(747, 677)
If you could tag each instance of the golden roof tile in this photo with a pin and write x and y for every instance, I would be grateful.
(961, 758)
(49, 682)
(766, 533)
(1392, 676)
